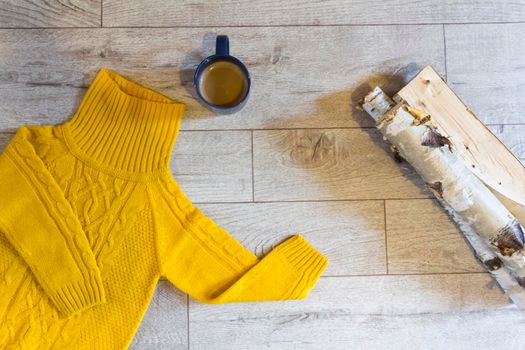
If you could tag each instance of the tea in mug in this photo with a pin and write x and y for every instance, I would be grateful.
(223, 83)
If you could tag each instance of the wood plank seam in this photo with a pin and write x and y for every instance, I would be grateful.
(445, 51)
(451, 273)
(302, 25)
(253, 171)
(386, 235)
(188, 318)
(265, 26)
(12, 131)
(409, 274)
(444, 24)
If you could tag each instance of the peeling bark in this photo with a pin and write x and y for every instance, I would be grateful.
(420, 117)
(436, 188)
(432, 138)
(509, 239)
(491, 230)
(397, 157)
(493, 264)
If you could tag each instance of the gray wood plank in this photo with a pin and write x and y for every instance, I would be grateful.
(513, 136)
(464, 311)
(302, 76)
(165, 324)
(4, 140)
(349, 234)
(328, 164)
(422, 239)
(50, 13)
(485, 68)
(214, 166)
(295, 12)
(210, 166)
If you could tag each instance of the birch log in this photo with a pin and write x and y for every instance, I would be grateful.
(492, 231)
(484, 154)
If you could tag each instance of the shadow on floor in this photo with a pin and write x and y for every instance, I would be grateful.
(317, 151)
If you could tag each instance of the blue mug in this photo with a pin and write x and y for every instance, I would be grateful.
(222, 81)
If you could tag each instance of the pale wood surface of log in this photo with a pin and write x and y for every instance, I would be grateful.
(300, 157)
(483, 153)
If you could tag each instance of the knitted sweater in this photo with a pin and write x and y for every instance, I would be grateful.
(90, 218)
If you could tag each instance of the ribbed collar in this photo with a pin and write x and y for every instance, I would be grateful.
(123, 126)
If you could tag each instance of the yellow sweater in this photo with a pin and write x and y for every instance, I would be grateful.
(90, 218)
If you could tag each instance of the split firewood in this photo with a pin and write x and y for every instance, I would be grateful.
(492, 231)
(485, 155)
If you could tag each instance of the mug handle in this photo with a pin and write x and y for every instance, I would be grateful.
(222, 45)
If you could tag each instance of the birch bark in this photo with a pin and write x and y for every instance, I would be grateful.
(492, 231)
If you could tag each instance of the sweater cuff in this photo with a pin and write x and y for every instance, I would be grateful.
(305, 258)
(41, 225)
(79, 295)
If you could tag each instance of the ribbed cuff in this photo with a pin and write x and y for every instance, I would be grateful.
(304, 257)
(79, 295)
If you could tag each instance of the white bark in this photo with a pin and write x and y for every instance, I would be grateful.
(492, 231)
(483, 153)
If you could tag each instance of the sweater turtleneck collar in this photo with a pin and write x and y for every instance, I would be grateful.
(123, 126)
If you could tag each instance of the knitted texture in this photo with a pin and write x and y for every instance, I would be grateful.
(90, 218)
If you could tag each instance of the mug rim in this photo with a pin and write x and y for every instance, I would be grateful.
(214, 58)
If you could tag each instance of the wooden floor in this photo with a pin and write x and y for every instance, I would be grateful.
(300, 158)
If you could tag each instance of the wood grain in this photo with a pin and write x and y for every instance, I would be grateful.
(305, 75)
(214, 166)
(295, 83)
(485, 68)
(513, 136)
(422, 239)
(463, 311)
(350, 234)
(296, 12)
(50, 13)
(329, 164)
(481, 152)
(165, 324)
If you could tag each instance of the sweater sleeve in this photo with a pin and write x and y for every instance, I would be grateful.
(203, 260)
(41, 225)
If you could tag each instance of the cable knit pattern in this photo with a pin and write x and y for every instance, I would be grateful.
(45, 182)
(92, 218)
